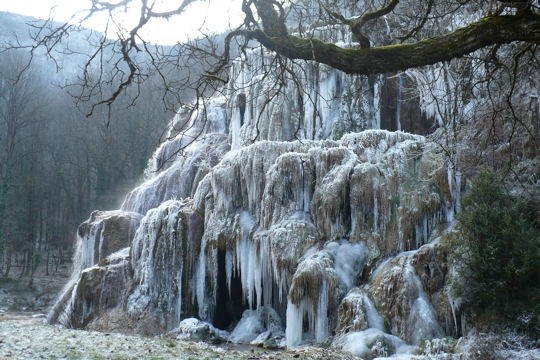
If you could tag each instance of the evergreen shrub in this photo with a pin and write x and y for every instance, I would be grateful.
(497, 250)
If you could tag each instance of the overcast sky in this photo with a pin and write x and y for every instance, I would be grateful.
(213, 15)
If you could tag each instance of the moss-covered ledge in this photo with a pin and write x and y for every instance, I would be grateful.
(489, 30)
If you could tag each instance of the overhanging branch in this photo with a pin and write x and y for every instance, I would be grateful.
(490, 30)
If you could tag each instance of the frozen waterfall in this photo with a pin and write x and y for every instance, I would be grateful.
(297, 219)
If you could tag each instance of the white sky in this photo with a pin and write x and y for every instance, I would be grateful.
(206, 15)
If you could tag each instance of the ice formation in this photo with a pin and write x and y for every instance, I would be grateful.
(371, 343)
(272, 219)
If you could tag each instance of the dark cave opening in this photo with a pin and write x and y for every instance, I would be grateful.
(229, 307)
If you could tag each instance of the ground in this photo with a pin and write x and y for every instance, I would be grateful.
(17, 296)
(24, 334)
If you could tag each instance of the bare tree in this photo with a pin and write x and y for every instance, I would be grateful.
(55, 167)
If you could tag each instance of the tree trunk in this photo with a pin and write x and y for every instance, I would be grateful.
(47, 261)
(8, 264)
(24, 264)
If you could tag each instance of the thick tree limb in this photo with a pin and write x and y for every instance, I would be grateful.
(489, 30)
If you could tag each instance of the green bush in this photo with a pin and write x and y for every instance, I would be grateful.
(497, 250)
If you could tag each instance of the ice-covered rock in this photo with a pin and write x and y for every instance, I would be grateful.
(290, 225)
(197, 330)
(100, 239)
(357, 312)
(177, 168)
(104, 233)
(248, 328)
(262, 327)
(99, 290)
(160, 259)
(403, 302)
(371, 343)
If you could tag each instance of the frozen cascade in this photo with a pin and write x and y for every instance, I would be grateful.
(157, 261)
(310, 199)
(267, 205)
(180, 163)
(327, 104)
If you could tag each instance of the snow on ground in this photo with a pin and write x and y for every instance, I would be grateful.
(28, 337)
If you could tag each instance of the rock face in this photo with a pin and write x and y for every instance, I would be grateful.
(262, 235)
(100, 270)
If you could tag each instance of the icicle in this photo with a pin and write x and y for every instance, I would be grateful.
(454, 187)
(452, 304)
(86, 250)
(425, 228)
(417, 235)
(200, 283)
(257, 276)
(305, 191)
(321, 319)
(236, 120)
(375, 212)
(450, 178)
(375, 105)
(317, 316)
(398, 101)
(229, 265)
(267, 278)
(457, 193)
(179, 296)
(248, 262)
(294, 328)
